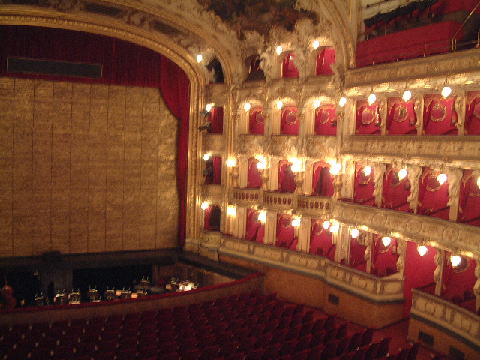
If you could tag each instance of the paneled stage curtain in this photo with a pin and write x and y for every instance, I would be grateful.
(289, 124)
(285, 233)
(363, 187)
(326, 120)
(123, 63)
(458, 282)
(256, 121)
(325, 60)
(286, 177)
(472, 116)
(254, 229)
(401, 119)
(215, 118)
(254, 179)
(469, 207)
(395, 191)
(367, 118)
(321, 242)
(432, 196)
(289, 70)
(439, 116)
(322, 180)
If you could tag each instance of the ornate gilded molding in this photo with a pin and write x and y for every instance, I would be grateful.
(315, 206)
(214, 143)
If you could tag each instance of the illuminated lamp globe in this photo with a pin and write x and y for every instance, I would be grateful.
(371, 99)
(326, 225)
(343, 101)
(315, 44)
(422, 250)
(455, 260)
(386, 241)
(367, 170)
(407, 95)
(262, 217)
(206, 156)
(279, 50)
(442, 179)
(355, 233)
(205, 205)
(247, 106)
(199, 58)
(316, 103)
(296, 221)
(446, 91)
(402, 174)
(209, 107)
(279, 104)
(334, 228)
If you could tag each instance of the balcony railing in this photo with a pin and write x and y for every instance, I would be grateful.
(247, 197)
(315, 205)
(280, 201)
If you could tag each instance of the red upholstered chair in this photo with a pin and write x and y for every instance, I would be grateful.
(289, 69)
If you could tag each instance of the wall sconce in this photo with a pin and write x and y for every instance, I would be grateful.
(335, 168)
(422, 250)
(206, 156)
(296, 221)
(446, 91)
(334, 227)
(199, 58)
(316, 103)
(326, 225)
(262, 162)
(296, 165)
(315, 44)
(386, 241)
(407, 95)
(279, 50)
(367, 170)
(455, 260)
(231, 211)
(402, 174)
(209, 107)
(262, 216)
(247, 106)
(371, 99)
(205, 205)
(442, 179)
(231, 162)
(343, 101)
(354, 233)
(279, 104)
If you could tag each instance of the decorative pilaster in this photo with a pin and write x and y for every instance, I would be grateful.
(414, 173)
(304, 234)
(454, 182)
(438, 273)
(307, 181)
(273, 174)
(342, 248)
(476, 287)
(378, 171)
(402, 252)
(270, 228)
(240, 222)
(382, 109)
(419, 104)
(242, 172)
(460, 105)
(369, 241)
(348, 177)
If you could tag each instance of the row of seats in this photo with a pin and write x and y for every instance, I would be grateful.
(249, 326)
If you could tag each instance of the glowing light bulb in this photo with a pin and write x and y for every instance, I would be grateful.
(316, 44)
(407, 95)
(296, 165)
(446, 91)
(478, 182)
(209, 107)
(279, 50)
(326, 225)
(261, 165)
(279, 105)
(335, 227)
(316, 103)
(355, 233)
(247, 106)
(199, 58)
(343, 101)
(386, 241)
(442, 179)
(231, 211)
(231, 162)
(402, 174)
(367, 170)
(262, 217)
(455, 260)
(206, 156)
(422, 250)
(296, 221)
(372, 98)
(205, 205)
(335, 168)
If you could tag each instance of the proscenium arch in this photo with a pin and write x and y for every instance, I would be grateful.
(19, 15)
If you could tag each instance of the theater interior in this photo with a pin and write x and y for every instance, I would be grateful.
(239, 179)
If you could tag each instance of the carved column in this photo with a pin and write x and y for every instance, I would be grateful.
(476, 287)
(419, 106)
(304, 234)
(460, 105)
(382, 109)
(454, 182)
(268, 121)
(402, 252)
(307, 181)
(302, 131)
(438, 273)
(378, 171)
(273, 174)
(242, 171)
(369, 240)
(270, 228)
(342, 248)
(348, 178)
(414, 173)
(240, 223)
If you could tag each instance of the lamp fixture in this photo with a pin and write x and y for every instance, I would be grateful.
(231, 211)
(279, 104)
(343, 101)
(231, 162)
(386, 241)
(367, 170)
(205, 205)
(247, 106)
(442, 179)
(334, 227)
(315, 44)
(316, 103)
(446, 91)
(279, 50)
(206, 156)
(371, 99)
(199, 58)
(402, 174)
(354, 233)
(296, 164)
(407, 95)
(262, 216)
(296, 221)
(326, 225)
(456, 260)
(209, 107)
(335, 168)
(478, 182)
(422, 250)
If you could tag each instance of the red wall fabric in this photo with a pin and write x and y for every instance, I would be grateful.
(418, 271)
(215, 117)
(286, 178)
(326, 120)
(401, 117)
(285, 232)
(217, 170)
(321, 241)
(395, 192)
(256, 121)
(469, 205)
(439, 116)
(357, 255)
(322, 182)
(123, 63)
(289, 70)
(367, 118)
(289, 124)
(457, 282)
(254, 180)
(472, 115)
(432, 197)
(325, 60)
(363, 187)
(384, 259)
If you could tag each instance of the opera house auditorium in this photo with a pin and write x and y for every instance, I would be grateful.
(239, 179)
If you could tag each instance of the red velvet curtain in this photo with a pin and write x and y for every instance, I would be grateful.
(289, 124)
(217, 170)
(469, 206)
(254, 175)
(289, 70)
(367, 118)
(322, 182)
(326, 120)
(384, 259)
(286, 178)
(215, 117)
(256, 121)
(211, 218)
(252, 225)
(285, 232)
(439, 116)
(395, 191)
(432, 197)
(357, 255)
(458, 283)
(325, 60)
(123, 63)
(418, 271)
(363, 187)
(321, 241)
(472, 116)
(401, 119)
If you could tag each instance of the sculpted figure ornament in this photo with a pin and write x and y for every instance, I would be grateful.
(438, 273)
(414, 173)
(454, 182)
(476, 287)
(379, 171)
(63, 5)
